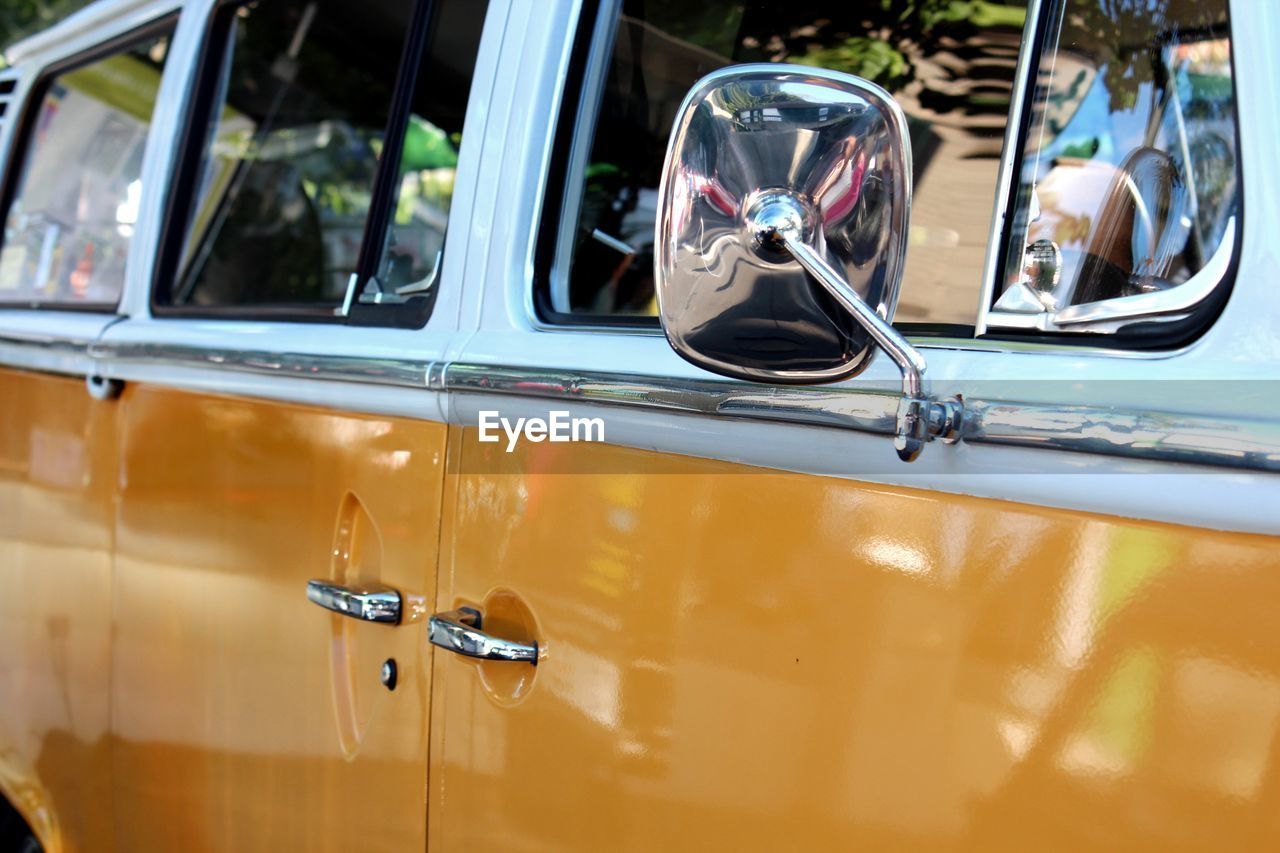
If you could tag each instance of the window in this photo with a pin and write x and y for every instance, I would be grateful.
(949, 64)
(1128, 187)
(412, 243)
(329, 148)
(75, 198)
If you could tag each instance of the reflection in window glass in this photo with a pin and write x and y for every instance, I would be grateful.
(288, 176)
(949, 64)
(287, 183)
(1128, 182)
(414, 242)
(76, 202)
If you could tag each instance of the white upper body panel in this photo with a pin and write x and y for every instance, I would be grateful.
(483, 315)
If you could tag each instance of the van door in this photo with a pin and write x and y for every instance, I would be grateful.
(739, 622)
(281, 453)
(245, 716)
(741, 658)
(57, 478)
(75, 143)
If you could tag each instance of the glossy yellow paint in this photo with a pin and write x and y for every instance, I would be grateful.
(245, 717)
(57, 457)
(733, 658)
(737, 659)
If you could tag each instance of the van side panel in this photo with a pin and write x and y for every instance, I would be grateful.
(737, 658)
(57, 478)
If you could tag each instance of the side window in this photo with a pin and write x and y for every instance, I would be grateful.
(1128, 197)
(328, 143)
(950, 66)
(74, 194)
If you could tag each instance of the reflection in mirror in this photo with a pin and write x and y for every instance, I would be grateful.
(761, 156)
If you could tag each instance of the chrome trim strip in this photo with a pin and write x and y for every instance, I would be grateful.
(404, 373)
(435, 376)
(1009, 157)
(48, 343)
(1236, 443)
(65, 356)
(867, 411)
(1249, 444)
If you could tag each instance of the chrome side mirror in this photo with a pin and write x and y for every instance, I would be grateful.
(782, 230)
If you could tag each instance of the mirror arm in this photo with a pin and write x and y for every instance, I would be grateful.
(907, 357)
(920, 418)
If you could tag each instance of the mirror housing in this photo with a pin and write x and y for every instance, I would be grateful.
(756, 148)
(782, 230)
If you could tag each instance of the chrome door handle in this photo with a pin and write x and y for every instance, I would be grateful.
(372, 602)
(459, 632)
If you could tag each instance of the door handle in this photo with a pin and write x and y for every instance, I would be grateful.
(371, 602)
(459, 632)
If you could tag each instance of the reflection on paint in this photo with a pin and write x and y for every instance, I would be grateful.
(58, 459)
(895, 556)
(765, 660)
(1228, 719)
(1118, 730)
(589, 683)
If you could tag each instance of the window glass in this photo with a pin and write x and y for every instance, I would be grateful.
(1128, 181)
(288, 174)
(414, 242)
(287, 181)
(949, 64)
(75, 202)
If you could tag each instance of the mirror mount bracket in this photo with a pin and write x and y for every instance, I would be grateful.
(920, 418)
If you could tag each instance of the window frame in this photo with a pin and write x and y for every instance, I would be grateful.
(28, 113)
(573, 129)
(197, 122)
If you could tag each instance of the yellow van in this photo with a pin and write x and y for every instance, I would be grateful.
(567, 425)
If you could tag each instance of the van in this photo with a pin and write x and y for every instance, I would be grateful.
(635, 425)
